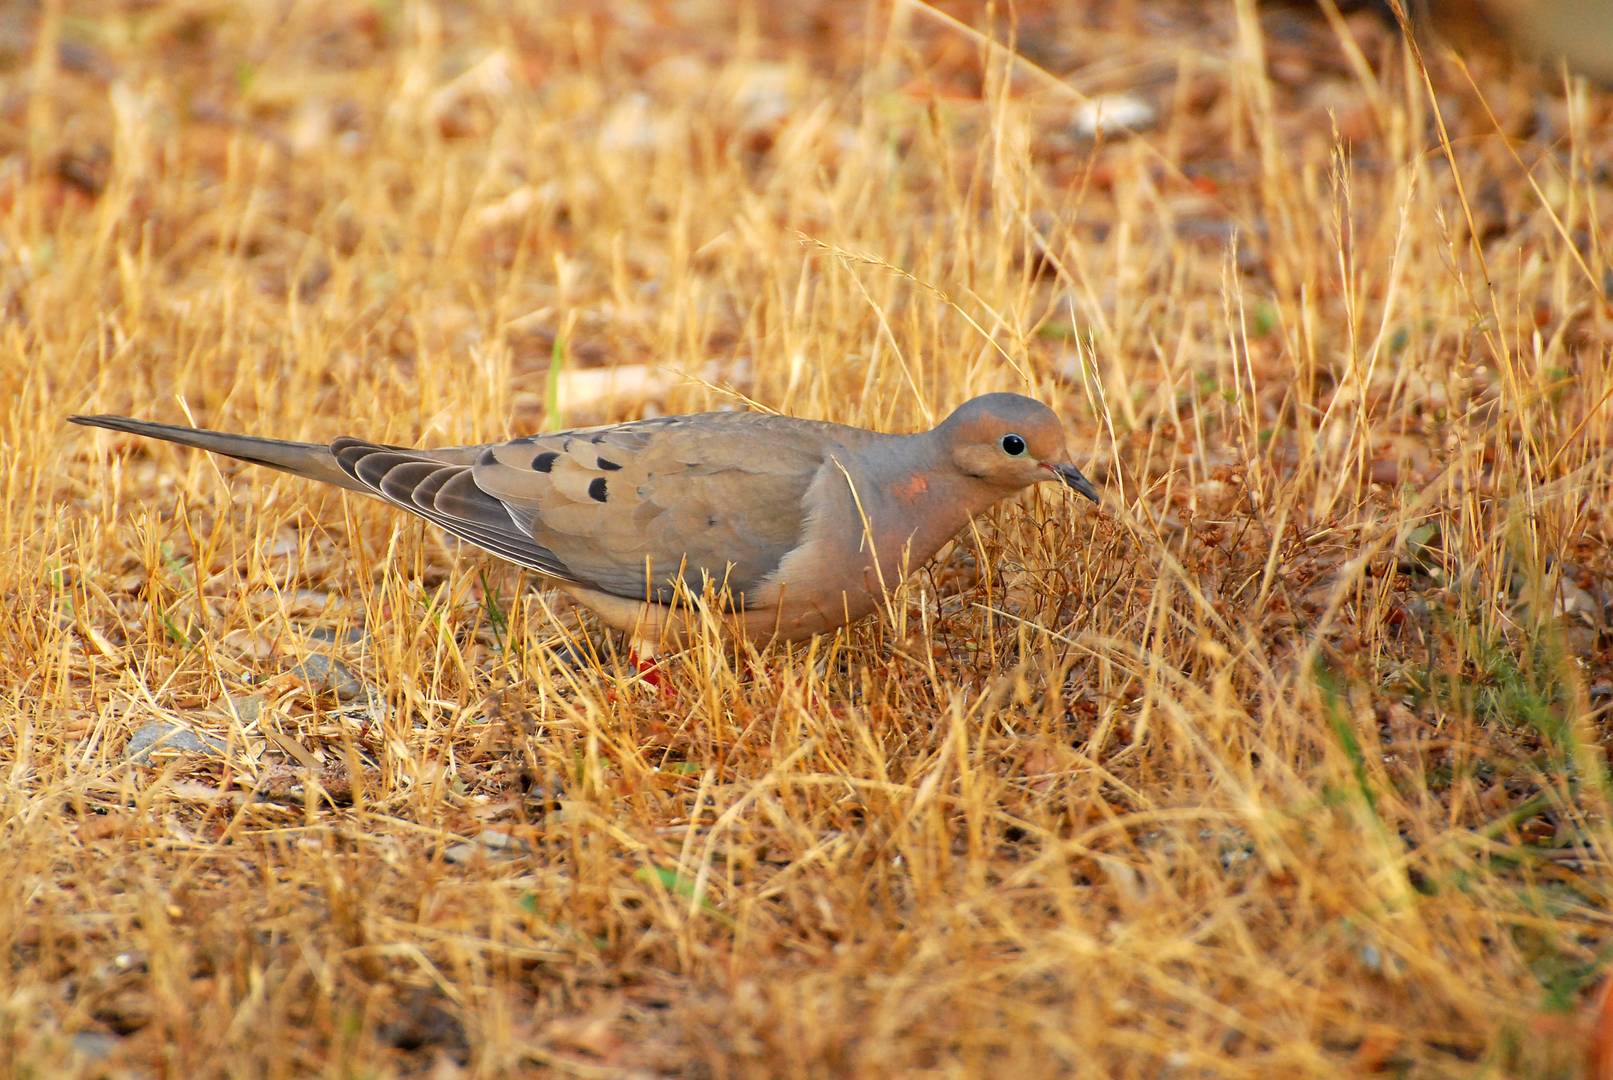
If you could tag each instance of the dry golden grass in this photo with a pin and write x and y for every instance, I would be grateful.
(1289, 760)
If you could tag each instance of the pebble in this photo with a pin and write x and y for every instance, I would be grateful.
(489, 843)
(325, 674)
(162, 735)
(571, 656)
(1111, 114)
(1572, 601)
(352, 635)
(95, 1045)
(247, 706)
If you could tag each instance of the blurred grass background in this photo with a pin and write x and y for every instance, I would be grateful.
(1289, 759)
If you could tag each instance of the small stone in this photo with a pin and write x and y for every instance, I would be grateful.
(1580, 640)
(247, 706)
(161, 735)
(308, 601)
(489, 843)
(1110, 114)
(635, 125)
(325, 674)
(571, 656)
(283, 547)
(420, 1022)
(353, 635)
(95, 1045)
(1572, 601)
(499, 841)
(248, 645)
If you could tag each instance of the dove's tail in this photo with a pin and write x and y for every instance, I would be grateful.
(311, 460)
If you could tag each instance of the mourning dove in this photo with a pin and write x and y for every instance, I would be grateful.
(798, 526)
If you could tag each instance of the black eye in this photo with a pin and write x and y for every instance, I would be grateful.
(1013, 445)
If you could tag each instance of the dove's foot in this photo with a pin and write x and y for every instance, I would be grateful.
(649, 672)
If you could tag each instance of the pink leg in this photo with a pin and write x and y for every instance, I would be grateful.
(649, 671)
(647, 668)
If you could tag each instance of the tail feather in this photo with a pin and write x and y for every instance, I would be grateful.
(310, 460)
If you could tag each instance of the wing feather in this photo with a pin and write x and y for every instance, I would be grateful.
(626, 509)
(417, 483)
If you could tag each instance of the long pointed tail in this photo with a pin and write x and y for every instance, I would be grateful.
(302, 459)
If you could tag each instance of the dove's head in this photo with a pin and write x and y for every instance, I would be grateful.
(1010, 442)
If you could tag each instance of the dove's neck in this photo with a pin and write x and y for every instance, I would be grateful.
(914, 496)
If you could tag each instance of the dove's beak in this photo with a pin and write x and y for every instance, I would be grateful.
(1071, 477)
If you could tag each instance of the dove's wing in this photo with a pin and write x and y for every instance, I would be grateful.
(625, 509)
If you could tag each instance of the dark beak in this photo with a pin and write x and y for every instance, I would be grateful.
(1071, 477)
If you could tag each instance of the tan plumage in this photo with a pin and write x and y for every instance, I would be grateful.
(793, 526)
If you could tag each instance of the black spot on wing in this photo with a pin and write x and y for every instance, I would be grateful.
(608, 465)
(596, 490)
(545, 461)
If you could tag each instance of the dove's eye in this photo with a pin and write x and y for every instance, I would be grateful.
(1013, 445)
